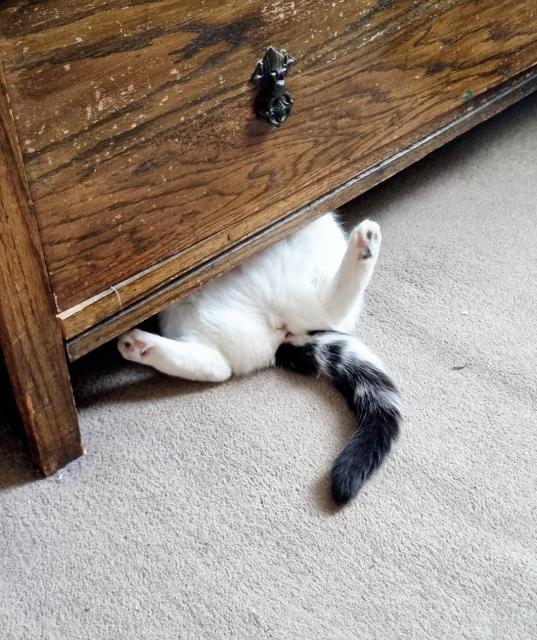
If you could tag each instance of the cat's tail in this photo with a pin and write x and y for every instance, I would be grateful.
(369, 392)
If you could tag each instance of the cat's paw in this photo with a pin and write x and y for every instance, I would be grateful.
(366, 238)
(136, 345)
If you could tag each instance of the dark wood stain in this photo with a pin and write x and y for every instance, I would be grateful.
(235, 33)
(437, 67)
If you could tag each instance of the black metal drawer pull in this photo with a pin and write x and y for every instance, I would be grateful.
(273, 102)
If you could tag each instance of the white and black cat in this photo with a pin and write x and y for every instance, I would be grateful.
(294, 305)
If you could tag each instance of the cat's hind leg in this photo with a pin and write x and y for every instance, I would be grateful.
(354, 273)
(182, 358)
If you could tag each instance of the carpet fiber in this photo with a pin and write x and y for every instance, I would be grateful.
(202, 511)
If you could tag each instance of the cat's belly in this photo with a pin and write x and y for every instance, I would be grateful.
(243, 336)
(246, 347)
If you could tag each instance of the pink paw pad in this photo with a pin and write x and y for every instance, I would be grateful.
(364, 252)
(133, 344)
(367, 239)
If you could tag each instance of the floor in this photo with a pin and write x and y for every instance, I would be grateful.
(202, 511)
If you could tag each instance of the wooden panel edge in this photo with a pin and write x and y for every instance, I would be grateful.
(475, 113)
(30, 337)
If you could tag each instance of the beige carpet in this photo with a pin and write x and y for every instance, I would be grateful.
(202, 511)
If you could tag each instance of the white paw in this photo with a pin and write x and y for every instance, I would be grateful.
(136, 345)
(366, 238)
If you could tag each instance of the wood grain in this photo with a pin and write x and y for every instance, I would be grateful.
(465, 118)
(29, 335)
(142, 151)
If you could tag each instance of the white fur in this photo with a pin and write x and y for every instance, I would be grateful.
(234, 324)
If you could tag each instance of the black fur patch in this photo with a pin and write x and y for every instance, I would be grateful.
(300, 359)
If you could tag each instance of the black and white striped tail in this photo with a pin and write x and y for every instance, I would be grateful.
(370, 394)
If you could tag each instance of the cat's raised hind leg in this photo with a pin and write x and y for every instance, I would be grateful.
(355, 271)
(182, 358)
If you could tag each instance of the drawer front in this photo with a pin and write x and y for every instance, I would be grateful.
(137, 127)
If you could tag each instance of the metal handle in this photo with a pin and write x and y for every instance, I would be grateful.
(273, 102)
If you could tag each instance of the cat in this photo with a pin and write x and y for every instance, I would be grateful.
(293, 305)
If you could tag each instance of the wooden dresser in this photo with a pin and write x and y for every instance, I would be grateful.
(133, 164)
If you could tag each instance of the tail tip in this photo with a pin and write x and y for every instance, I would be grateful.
(345, 487)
